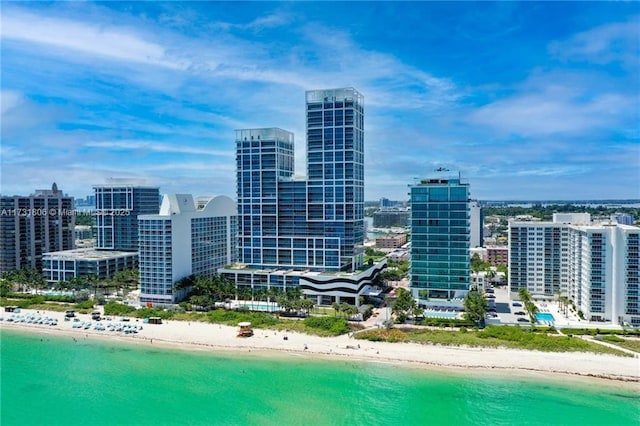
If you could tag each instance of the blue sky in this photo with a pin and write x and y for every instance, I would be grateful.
(528, 100)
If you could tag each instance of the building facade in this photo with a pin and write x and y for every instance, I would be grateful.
(497, 255)
(538, 253)
(68, 264)
(391, 241)
(118, 204)
(390, 218)
(603, 272)
(439, 241)
(622, 218)
(188, 237)
(32, 225)
(289, 226)
(595, 265)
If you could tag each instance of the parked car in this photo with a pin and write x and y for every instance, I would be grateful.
(523, 320)
(517, 304)
(520, 313)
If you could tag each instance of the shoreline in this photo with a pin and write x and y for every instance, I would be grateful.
(198, 336)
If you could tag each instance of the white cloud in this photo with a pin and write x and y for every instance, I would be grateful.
(607, 43)
(117, 43)
(553, 110)
(156, 147)
(9, 99)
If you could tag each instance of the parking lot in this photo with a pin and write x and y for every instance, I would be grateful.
(508, 311)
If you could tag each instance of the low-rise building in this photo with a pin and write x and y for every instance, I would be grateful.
(68, 264)
(391, 241)
(497, 255)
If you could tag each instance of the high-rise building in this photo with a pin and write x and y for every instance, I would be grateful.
(335, 170)
(440, 241)
(33, 225)
(188, 237)
(118, 204)
(595, 265)
(293, 231)
(603, 272)
(538, 253)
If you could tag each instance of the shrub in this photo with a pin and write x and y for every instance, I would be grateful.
(64, 299)
(257, 319)
(333, 325)
(115, 308)
(152, 312)
(87, 304)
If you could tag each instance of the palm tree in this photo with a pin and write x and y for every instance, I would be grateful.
(306, 305)
(273, 293)
(529, 306)
(532, 310)
(336, 306)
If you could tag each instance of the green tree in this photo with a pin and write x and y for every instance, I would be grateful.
(477, 264)
(527, 301)
(126, 280)
(475, 307)
(306, 305)
(336, 306)
(403, 305)
(6, 284)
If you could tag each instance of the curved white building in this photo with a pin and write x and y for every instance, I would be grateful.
(188, 236)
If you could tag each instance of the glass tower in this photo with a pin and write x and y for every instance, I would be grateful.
(439, 239)
(335, 169)
(118, 204)
(315, 224)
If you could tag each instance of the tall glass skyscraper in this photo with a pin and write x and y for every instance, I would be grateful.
(335, 169)
(291, 230)
(317, 224)
(440, 241)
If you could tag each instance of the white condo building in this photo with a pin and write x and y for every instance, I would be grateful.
(603, 272)
(188, 236)
(595, 265)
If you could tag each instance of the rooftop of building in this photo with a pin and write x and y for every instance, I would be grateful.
(89, 254)
(296, 272)
(125, 182)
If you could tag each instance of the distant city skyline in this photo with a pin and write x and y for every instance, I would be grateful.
(529, 101)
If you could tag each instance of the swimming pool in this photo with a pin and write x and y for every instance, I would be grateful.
(448, 315)
(544, 316)
(256, 306)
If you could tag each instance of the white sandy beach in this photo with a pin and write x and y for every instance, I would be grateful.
(203, 336)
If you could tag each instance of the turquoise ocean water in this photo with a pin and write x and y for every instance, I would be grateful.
(54, 380)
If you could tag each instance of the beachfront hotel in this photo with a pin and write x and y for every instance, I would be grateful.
(305, 232)
(33, 225)
(440, 232)
(595, 265)
(190, 236)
